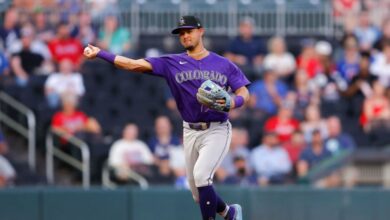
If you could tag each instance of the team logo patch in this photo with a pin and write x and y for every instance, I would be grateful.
(182, 22)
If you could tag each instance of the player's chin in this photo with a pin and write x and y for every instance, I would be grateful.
(189, 47)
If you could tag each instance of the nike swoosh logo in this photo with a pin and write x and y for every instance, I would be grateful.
(182, 62)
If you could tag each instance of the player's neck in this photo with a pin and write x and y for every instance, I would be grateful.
(198, 53)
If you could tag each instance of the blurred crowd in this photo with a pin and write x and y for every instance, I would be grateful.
(293, 123)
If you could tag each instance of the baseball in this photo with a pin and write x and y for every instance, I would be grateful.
(87, 50)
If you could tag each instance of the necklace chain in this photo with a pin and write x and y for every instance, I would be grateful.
(196, 54)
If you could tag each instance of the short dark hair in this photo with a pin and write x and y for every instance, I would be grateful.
(365, 54)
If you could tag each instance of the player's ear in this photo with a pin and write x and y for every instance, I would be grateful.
(201, 30)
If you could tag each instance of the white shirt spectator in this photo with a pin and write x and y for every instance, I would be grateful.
(267, 161)
(280, 63)
(60, 83)
(125, 153)
(381, 68)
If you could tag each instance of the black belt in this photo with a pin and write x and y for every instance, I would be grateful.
(200, 126)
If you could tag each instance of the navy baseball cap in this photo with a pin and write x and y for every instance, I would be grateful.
(187, 22)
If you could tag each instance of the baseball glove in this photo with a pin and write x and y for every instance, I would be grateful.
(213, 96)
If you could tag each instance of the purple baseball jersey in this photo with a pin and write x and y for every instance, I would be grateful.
(184, 76)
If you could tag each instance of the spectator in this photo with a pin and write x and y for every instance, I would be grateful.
(129, 155)
(360, 85)
(65, 81)
(162, 143)
(381, 65)
(348, 65)
(9, 32)
(282, 124)
(241, 175)
(376, 110)
(238, 149)
(342, 8)
(305, 93)
(26, 62)
(114, 38)
(270, 161)
(246, 50)
(65, 47)
(267, 94)
(329, 82)
(295, 146)
(70, 120)
(44, 31)
(366, 32)
(35, 45)
(85, 31)
(313, 121)
(385, 35)
(308, 61)
(312, 156)
(337, 140)
(279, 59)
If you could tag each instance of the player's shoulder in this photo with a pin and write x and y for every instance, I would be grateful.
(222, 58)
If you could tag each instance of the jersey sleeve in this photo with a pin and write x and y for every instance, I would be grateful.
(237, 79)
(159, 65)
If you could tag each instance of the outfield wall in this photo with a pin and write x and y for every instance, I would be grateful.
(170, 204)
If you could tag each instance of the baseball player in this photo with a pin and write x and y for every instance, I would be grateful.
(198, 80)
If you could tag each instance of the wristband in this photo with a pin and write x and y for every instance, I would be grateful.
(107, 56)
(238, 101)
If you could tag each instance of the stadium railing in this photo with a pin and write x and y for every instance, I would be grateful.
(52, 151)
(27, 130)
(108, 183)
(223, 17)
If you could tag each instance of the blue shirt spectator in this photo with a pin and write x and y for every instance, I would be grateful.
(348, 64)
(348, 70)
(267, 94)
(241, 176)
(161, 150)
(337, 140)
(366, 32)
(164, 140)
(313, 154)
(270, 161)
(312, 158)
(246, 50)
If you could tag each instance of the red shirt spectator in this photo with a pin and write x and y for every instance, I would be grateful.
(70, 120)
(71, 123)
(295, 146)
(307, 59)
(283, 124)
(62, 49)
(65, 47)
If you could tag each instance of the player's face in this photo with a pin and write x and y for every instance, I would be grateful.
(190, 38)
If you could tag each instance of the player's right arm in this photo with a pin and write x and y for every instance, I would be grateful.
(134, 65)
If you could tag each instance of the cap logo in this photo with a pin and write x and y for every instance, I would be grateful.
(182, 22)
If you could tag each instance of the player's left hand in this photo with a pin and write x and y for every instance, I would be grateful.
(214, 97)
